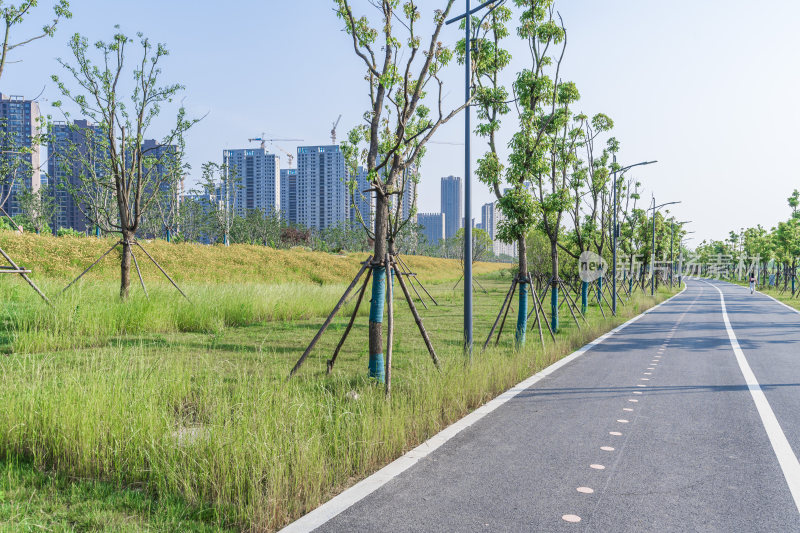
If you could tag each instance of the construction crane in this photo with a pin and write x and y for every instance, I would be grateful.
(333, 130)
(264, 142)
(289, 156)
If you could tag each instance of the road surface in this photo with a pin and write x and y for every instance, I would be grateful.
(678, 422)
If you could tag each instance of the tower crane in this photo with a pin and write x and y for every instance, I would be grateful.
(289, 155)
(264, 142)
(333, 130)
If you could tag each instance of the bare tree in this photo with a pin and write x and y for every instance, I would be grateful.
(128, 169)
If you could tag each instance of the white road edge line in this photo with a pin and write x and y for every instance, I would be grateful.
(367, 486)
(780, 445)
(787, 306)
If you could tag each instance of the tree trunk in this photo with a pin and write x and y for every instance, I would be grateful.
(600, 288)
(584, 296)
(376, 365)
(125, 265)
(554, 287)
(522, 311)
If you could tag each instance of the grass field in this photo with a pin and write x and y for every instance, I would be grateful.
(169, 416)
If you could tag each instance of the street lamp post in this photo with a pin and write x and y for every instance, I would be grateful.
(616, 231)
(671, 252)
(680, 255)
(653, 251)
(467, 172)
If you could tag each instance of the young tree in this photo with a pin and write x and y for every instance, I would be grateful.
(402, 75)
(193, 218)
(590, 208)
(15, 15)
(221, 184)
(38, 208)
(130, 169)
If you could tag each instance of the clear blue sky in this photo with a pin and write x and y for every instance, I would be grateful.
(707, 87)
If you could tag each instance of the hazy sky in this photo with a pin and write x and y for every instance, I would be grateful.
(706, 87)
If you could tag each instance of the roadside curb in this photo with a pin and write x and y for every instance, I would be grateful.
(370, 484)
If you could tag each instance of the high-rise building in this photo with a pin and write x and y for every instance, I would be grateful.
(68, 152)
(452, 205)
(410, 190)
(289, 194)
(492, 216)
(258, 172)
(433, 226)
(322, 198)
(363, 201)
(19, 124)
(488, 216)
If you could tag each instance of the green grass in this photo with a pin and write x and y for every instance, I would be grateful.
(199, 413)
(90, 314)
(36, 500)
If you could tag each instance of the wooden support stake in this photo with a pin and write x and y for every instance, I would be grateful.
(419, 323)
(136, 263)
(574, 305)
(496, 320)
(389, 325)
(544, 316)
(479, 285)
(329, 319)
(503, 323)
(406, 267)
(536, 307)
(21, 271)
(71, 283)
(332, 360)
(569, 301)
(162, 271)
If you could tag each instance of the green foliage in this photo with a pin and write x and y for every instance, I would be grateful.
(399, 121)
(122, 180)
(69, 232)
(16, 14)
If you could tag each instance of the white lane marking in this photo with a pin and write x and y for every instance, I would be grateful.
(598, 467)
(367, 486)
(573, 518)
(585, 490)
(789, 307)
(783, 451)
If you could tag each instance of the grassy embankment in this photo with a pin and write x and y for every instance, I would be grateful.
(197, 418)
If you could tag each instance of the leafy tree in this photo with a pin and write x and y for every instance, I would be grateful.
(481, 245)
(402, 75)
(14, 15)
(257, 227)
(38, 207)
(193, 218)
(591, 194)
(220, 184)
(130, 169)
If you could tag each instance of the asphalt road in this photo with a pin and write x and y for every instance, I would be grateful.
(655, 429)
